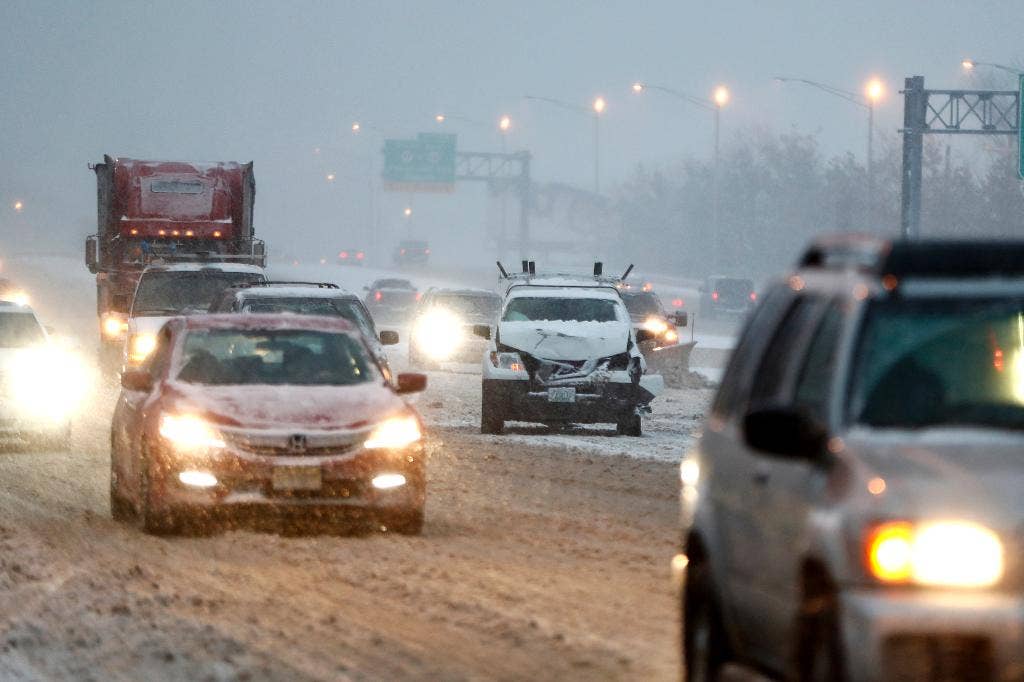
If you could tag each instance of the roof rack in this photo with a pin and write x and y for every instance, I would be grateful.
(284, 283)
(922, 258)
(529, 276)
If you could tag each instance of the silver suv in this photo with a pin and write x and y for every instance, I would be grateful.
(854, 509)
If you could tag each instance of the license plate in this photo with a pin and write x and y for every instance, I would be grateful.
(296, 478)
(561, 395)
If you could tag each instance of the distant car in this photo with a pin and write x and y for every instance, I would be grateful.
(284, 414)
(391, 300)
(412, 252)
(442, 330)
(722, 296)
(41, 385)
(166, 291)
(351, 257)
(647, 312)
(853, 509)
(306, 298)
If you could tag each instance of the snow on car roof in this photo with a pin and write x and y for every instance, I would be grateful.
(558, 291)
(209, 265)
(276, 321)
(293, 292)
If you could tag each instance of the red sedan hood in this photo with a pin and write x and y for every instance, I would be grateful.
(268, 407)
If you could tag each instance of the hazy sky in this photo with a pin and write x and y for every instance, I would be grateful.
(271, 81)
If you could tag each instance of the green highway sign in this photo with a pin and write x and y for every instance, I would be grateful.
(423, 164)
(1020, 127)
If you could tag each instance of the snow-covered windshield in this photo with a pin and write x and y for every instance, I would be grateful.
(18, 330)
(941, 361)
(567, 309)
(184, 292)
(331, 307)
(483, 306)
(276, 357)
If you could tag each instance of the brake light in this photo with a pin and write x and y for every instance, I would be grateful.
(419, 295)
(753, 296)
(426, 252)
(714, 295)
(360, 255)
(377, 295)
(677, 303)
(343, 255)
(997, 360)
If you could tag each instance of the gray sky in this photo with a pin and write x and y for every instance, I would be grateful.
(271, 81)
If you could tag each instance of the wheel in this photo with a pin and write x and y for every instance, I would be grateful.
(492, 421)
(705, 648)
(629, 425)
(153, 521)
(819, 651)
(405, 522)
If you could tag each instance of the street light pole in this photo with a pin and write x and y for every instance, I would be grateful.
(596, 109)
(969, 64)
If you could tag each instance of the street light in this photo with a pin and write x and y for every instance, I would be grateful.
(719, 98)
(970, 64)
(505, 123)
(356, 127)
(595, 109)
(330, 177)
(874, 90)
(18, 205)
(407, 212)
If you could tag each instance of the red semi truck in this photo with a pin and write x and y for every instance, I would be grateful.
(148, 211)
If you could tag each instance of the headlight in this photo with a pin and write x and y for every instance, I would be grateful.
(438, 334)
(47, 382)
(670, 336)
(17, 298)
(510, 361)
(139, 347)
(188, 432)
(396, 432)
(655, 325)
(939, 553)
(114, 326)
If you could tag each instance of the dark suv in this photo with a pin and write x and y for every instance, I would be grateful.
(853, 510)
(722, 296)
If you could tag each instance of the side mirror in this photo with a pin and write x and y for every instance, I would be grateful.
(643, 335)
(482, 330)
(785, 432)
(412, 383)
(92, 253)
(137, 380)
(680, 318)
(389, 338)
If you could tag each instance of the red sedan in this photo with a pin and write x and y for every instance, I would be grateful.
(280, 413)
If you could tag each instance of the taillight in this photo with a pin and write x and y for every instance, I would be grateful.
(753, 296)
(402, 252)
(677, 303)
(343, 255)
(714, 295)
(360, 255)
(419, 295)
(997, 360)
(377, 295)
(426, 252)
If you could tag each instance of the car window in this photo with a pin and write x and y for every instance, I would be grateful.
(940, 361)
(817, 375)
(755, 335)
(274, 357)
(783, 352)
(563, 309)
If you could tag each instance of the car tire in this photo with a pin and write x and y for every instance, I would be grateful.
(492, 420)
(153, 521)
(705, 649)
(818, 646)
(120, 508)
(630, 425)
(404, 522)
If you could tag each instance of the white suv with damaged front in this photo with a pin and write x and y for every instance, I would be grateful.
(564, 351)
